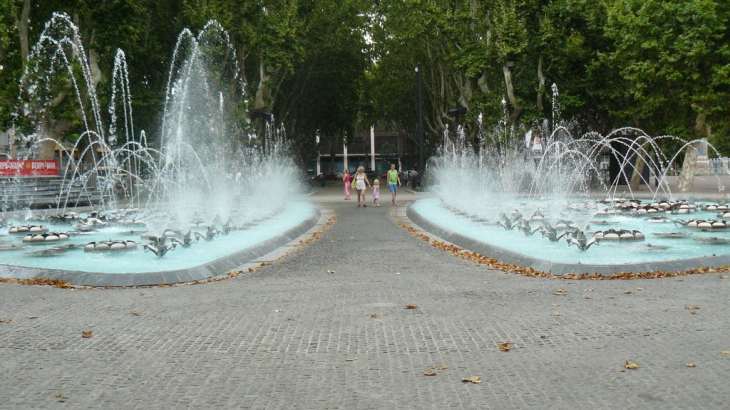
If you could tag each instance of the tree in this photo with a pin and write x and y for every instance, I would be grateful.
(675, 58)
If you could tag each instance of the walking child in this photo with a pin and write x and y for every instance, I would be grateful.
(347, 180)
(393, 183)
(376, 192)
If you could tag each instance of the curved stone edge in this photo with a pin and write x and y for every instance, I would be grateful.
(556, 268)
(219, 267)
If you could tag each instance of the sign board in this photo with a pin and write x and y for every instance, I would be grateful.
(28, 167)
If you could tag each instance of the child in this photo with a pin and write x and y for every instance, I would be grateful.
(376, 192)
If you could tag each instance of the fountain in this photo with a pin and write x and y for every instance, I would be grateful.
(206, 177)
(562, 189)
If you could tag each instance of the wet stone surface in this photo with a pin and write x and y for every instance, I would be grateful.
(292, 335)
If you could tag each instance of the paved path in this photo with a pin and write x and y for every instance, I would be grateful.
(281, 337)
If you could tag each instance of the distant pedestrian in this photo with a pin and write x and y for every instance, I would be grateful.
(537, 145)
(360, 180)
(393, 183)
(347, 180)
(376, 193)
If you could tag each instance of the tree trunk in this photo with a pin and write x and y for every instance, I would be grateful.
(638, 168)
(686, 177)
(482, 82)
(23, 30)
(241, 59)
(517, 111)
(263, 93)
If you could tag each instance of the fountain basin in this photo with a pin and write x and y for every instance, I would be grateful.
(201, 261)
(515, 248)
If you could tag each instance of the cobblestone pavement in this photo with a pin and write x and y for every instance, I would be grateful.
(292, 335)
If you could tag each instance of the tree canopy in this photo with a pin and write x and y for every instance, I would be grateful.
(323, 67)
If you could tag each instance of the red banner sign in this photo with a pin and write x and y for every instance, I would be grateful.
(28, 167)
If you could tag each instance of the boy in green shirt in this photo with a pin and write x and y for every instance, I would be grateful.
(393, 182)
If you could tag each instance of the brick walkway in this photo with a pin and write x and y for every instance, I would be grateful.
(281, 337)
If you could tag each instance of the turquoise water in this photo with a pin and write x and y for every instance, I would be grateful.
(609, 253)
(138, 261)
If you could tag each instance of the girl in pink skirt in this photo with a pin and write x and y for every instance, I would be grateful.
(347, 180)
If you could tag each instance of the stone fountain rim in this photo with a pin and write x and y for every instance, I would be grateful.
(216, 268)
(559, 268)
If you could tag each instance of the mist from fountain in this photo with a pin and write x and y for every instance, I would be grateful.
(205, 169)
(560, 180)
(200, 148)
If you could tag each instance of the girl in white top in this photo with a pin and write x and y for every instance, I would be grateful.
(360, 180)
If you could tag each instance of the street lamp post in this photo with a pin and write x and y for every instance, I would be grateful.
(420, 123)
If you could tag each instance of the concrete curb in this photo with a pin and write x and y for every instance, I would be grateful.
(219, 267)
(507, 256)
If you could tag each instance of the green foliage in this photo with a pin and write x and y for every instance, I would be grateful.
(323, 67)
(675, 57)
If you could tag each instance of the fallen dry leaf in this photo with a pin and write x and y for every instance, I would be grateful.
(6, 320)
(134, 313)
(411, 306)
(486, 283)
(622, 370)
(430, 373)
(690, 365)
(59, 395)
(631, 366)
(611, 297)
(542, 336)
(514, 269)
(473, 379)
(443, 367)
(692, 312)
(587, 297)
(374, 315)
(331, 272)
(689, 307)
(722, 276)
(505, 347)
(588, 290)
(725, 352)
(556, 304)
(556, 314)
(290, 318)
(57, 283)
(32, 317)
(350, 359)
(639, 288)
(628, 292)
(629, 306)
(86, 334)
(278, 310)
